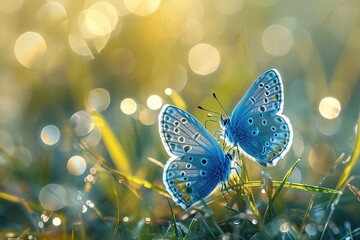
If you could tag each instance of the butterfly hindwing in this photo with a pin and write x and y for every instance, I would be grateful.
(190, 178)
(267, 137)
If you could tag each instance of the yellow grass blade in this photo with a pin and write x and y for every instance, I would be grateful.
(112, 144)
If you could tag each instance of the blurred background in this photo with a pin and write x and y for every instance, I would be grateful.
(61, 60)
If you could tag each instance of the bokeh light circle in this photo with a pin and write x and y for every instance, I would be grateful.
(192, 32)
(52, 12)
(228, 7)
(76, 165)
(142, 7)
(128, 106)
(50, 135)
(100, 19)
(10, 6)
(29, 47)
(79, 45)
(22, 154)
(154, 102)
(97, 22)
(53, 197)
(204, 59)
(147, 116)
(82, 123)
(98, 99)
(277, 40)
(56, 221)
(329, 107)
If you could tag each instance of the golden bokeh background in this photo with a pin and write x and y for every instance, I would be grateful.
(61, 60)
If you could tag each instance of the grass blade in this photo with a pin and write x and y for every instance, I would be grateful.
(352, 162)
(142, 182)
(112, 144)
(278, 190)
(310, 205)
(300, 186)
(354, 190)
(174, 220)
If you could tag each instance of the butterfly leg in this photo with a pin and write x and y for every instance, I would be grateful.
(223, 189)
(218, 133)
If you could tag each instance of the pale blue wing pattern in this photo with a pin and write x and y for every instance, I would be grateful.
(181, 133)
(257, 125)
(264, 96)
(197, 164)
(265, 137)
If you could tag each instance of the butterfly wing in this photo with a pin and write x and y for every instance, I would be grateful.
(192, 177)
(264, 96)
(181, 133)
(265, 137)
(257, 125)
(197, 163)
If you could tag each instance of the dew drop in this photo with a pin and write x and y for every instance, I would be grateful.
(84, 209)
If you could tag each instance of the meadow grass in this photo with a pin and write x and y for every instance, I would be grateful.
(241, 216)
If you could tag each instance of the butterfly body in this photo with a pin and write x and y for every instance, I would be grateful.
(197, 163)
(257, 124)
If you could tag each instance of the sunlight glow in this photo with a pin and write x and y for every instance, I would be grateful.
(329, 107)
(204, 59)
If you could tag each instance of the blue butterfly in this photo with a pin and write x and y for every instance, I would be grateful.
(257, 125)
(197, 163)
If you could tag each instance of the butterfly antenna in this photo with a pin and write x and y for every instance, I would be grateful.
(208, 110)
(222, 107)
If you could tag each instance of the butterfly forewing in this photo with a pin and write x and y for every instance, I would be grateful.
(181, 133)
(264, 96)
